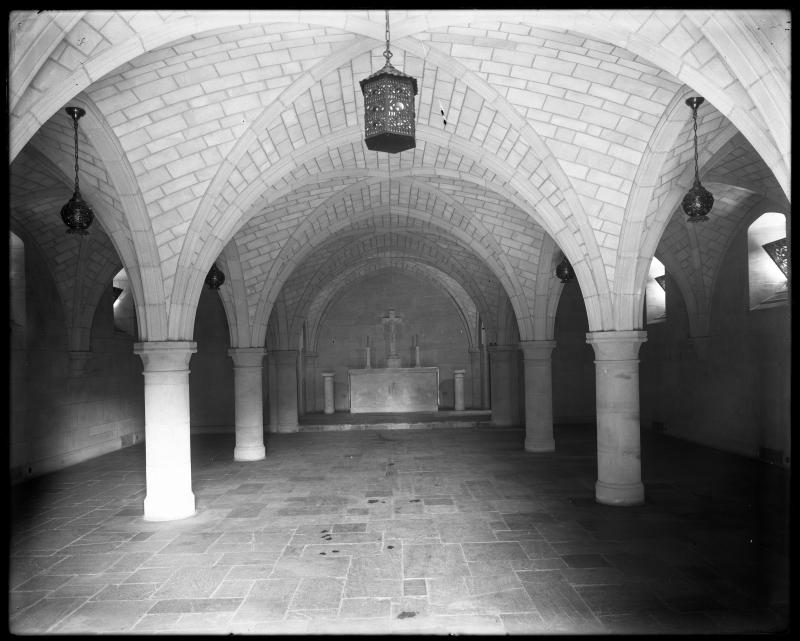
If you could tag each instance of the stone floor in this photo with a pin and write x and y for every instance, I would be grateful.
(405, 531)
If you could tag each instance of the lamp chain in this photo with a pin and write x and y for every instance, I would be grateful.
(387, 54)
(75, 122)
(694, 116)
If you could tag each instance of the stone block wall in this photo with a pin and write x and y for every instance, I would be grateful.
(733, 393)
(426, 312)
(57, 420)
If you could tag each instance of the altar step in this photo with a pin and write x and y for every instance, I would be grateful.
(340, 421)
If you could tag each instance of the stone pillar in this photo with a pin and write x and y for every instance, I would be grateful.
(168, 462)
(458, 383)
(248, 403)
(475, 377)
(78, 360)
(327, 378)
(619, 465)
(272, 384)
(310, 359)
(485, 402)
(286, 389)
(538, 396)
(503, 365)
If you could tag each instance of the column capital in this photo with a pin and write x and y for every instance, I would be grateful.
(247, 356)
(165, 356)
(503, 349)
(283, 356)
(616, 345)
(537, 350)
(328, 374)
(310, 354)
(459, 372)
(78, 359)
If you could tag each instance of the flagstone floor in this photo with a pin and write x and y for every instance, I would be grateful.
(441, 531)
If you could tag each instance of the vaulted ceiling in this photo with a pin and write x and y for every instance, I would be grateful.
(237, 136)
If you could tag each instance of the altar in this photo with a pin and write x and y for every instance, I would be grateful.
(394, 389)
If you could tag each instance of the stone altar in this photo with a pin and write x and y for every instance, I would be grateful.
(394, 389)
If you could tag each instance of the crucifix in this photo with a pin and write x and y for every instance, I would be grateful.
(390, 331)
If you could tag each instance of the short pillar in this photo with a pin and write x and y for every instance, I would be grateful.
(538, 395)
(458, 383)
(248, 403)
(286, 389)
(619, 465)
(327, 381)
(168, 461)
(503, 364)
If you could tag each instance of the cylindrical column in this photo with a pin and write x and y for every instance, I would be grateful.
(286, 389)
(248, 403)
(327, 381)
(619, 465)
(310, 381)
(458, 384)
(168, 462)
(503, 365)
(538, 395)
(272, 387)
(486, 401)
(475, 377)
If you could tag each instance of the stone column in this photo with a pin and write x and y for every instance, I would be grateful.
(248, 403)
(458, 383)
(327, 378)
(538, 396)
(619, 466)
(503, 365)
(168, 462)
(78, 360)
(286, 389)
(272, 385)
(310, 381)
(485, 402)
(475, 377)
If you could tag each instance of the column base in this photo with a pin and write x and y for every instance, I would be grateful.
(249, 453)
(169, 508)
(622, 495)
(540, 446)
(286, 429)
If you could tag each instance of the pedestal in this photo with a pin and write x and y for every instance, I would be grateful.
(327, 381)
(619, 468)
(393, 361)
(538, 395)
(248, 403)
(168, 463)
(458, 384)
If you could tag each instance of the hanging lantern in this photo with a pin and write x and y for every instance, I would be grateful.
(698, 201)
(389, 107)
(564, 270)
(77, 214)
(215, 277)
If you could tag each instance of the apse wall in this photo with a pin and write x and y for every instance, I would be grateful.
(735, 396)
(58, 419)
(426, 311)
(211, 393)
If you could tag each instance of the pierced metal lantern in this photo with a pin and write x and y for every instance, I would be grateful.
(77, 214)
(564, 271)
(215, 277)
(778, 251)
(389, 107)
(698, 201)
